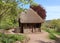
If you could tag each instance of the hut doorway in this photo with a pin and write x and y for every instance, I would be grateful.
(38, 25)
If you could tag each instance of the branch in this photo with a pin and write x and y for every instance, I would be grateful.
(4, 12)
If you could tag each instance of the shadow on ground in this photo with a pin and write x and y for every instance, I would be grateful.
(40, 41)
(57, 40)
(54, 41)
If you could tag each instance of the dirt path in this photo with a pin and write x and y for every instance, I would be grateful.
(39, 38)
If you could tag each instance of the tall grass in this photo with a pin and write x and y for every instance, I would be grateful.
(10, 38)
(51, 34)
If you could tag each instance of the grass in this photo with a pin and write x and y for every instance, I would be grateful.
(54, 31)
(51, 34)
(10, 38)
(58, 33)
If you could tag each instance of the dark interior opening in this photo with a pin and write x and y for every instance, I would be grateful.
(38, 25)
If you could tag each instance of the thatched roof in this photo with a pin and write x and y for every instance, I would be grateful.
(40, 10)
(30, 16)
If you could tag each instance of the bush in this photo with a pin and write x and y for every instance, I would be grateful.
(10, 38)
(51, 34)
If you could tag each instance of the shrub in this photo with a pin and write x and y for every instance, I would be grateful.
(10, 38)
(51, 34)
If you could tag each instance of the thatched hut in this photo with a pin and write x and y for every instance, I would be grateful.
(31, 19)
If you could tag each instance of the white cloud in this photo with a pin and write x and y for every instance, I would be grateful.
(53, 8)
(53, 12)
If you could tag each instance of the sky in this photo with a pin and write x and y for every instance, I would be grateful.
(52, 8)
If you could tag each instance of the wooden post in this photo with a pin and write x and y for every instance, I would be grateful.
(32, 29)
(20, 26)
(40, 27)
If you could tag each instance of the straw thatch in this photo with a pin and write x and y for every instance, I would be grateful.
(30, 16)
(40, 10)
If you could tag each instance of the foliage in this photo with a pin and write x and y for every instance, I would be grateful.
(9, 12)
(52, 27)
(39, 9)
(55, 24)
(8, 24)
(10, 38)
(51, 34)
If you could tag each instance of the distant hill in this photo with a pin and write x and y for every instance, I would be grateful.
(47, 21)
(51, 20)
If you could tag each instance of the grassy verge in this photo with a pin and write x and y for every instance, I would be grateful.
(10, 38)
(51, 34)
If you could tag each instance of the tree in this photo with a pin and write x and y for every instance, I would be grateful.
(9, 10)
(55, 24)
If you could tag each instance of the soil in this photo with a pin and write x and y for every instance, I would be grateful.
(41, 37)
